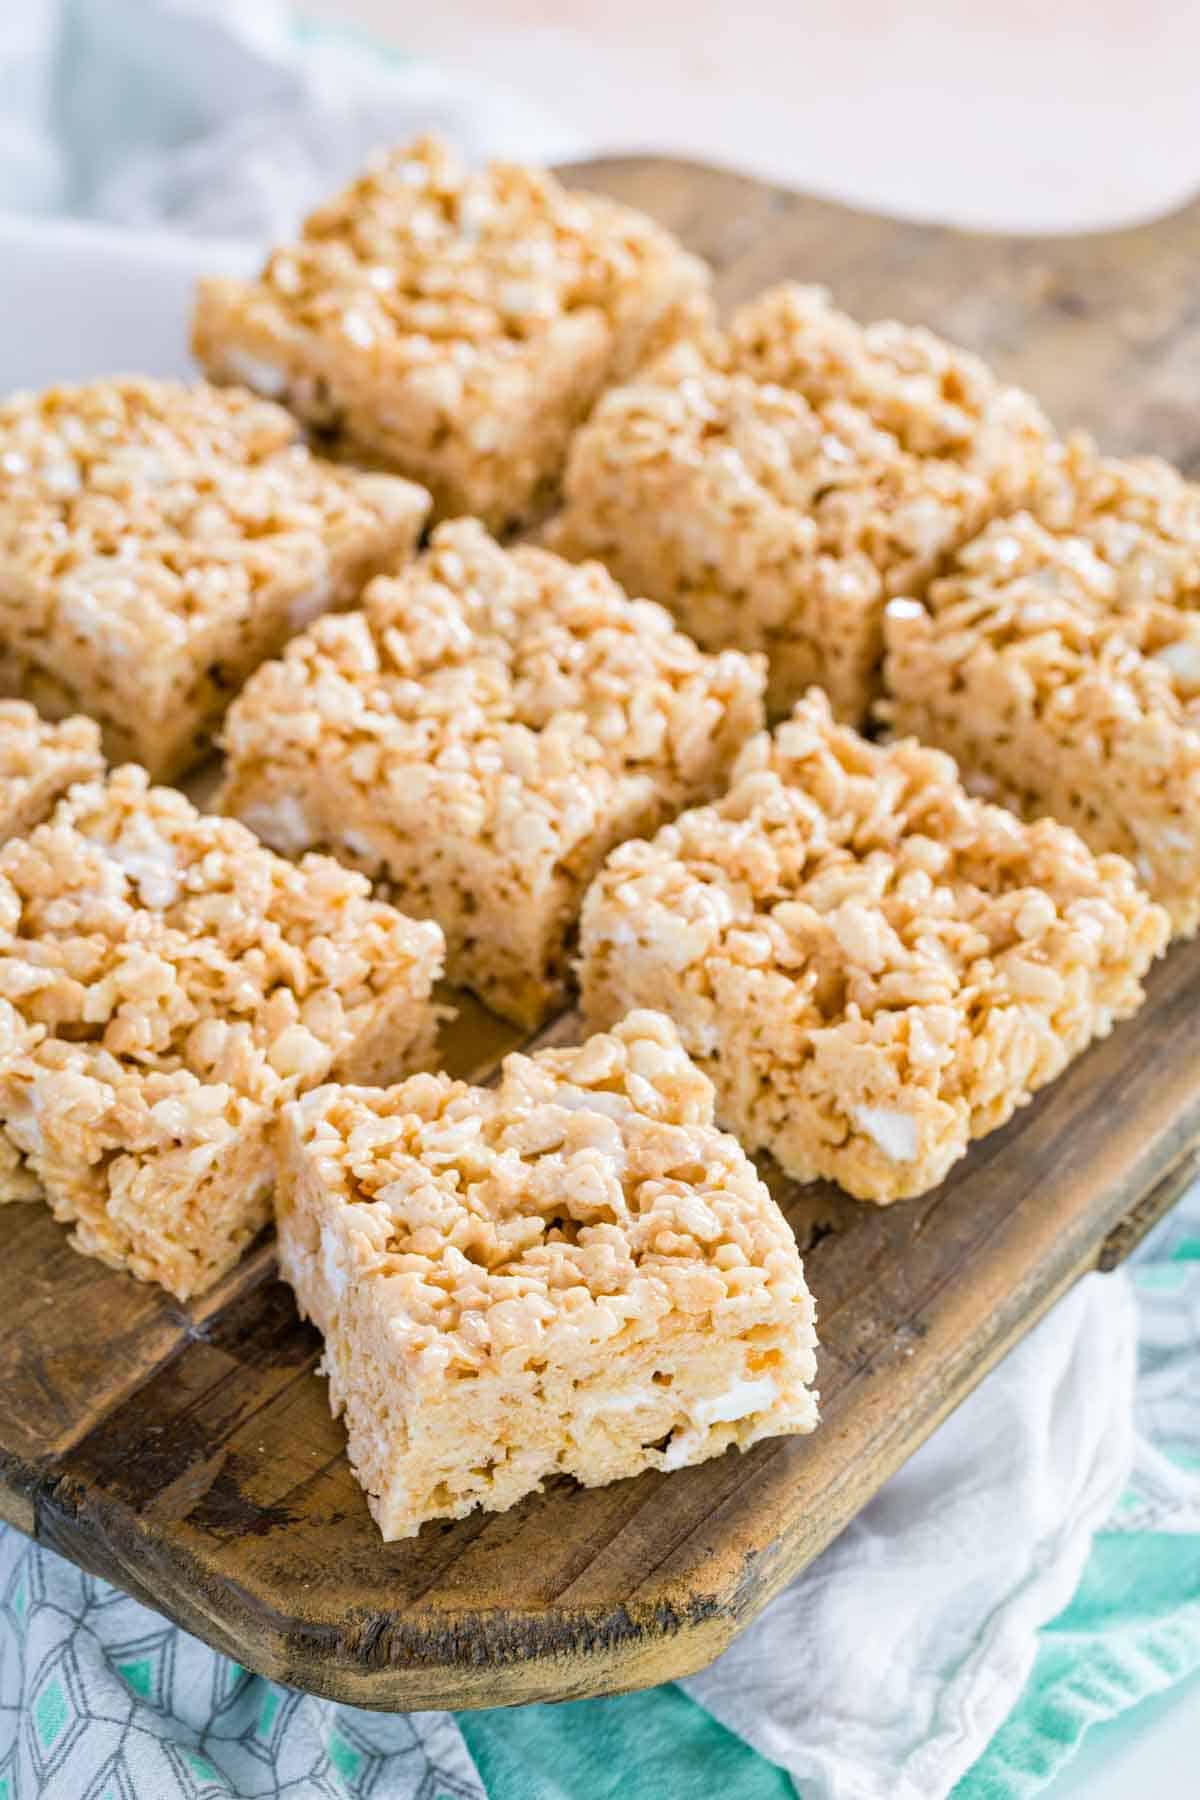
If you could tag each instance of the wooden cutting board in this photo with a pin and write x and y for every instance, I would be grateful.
(187, 1453)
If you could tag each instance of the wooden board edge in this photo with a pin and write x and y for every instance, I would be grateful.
(1140, 1220)
(649, 165)
(498, 1658)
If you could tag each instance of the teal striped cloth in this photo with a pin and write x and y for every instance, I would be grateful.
(1132, 1629)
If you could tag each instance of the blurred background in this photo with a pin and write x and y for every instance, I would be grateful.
(1016, 113)
(1019, 114)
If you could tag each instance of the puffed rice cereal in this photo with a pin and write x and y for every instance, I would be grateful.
(158, 540)
(480, 735)
(760, 522)
(570, 1273)
(937, 399)
(1059, 661)
(873, 967)
(39, 762)
(454, 325)
(166, 984)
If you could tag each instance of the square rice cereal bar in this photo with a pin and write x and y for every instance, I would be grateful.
(158, 540)
(39, 762)
(938, 400)
(166, 983)
(763, 523)
(454, 325)
(1060, 663)
(573, 1272)
(480, 735)
(873, 967)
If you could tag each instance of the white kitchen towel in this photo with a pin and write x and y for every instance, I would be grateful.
(224, 117)
(141, 140)
(890, 1664)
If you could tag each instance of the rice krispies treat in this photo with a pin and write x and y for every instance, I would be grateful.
(16, 1181)
(454, 325)
(166, 984)
(762, 523)
(39, 762)
(1138, 513)
(571, 1273)
(873, 967)
(937, 399)
(1063, 671)
(480, 735)
(158, 540)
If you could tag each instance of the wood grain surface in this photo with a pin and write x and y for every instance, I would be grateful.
(187, 1453)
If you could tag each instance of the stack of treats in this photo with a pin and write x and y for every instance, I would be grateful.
(511, 582)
